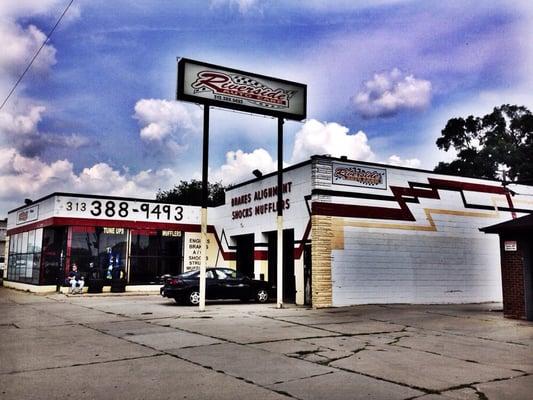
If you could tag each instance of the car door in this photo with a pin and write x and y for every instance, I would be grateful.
(232, 284)
(211, 284)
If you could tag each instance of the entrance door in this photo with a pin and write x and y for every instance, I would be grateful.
(272, 258)
(289, 283)
(245, 255)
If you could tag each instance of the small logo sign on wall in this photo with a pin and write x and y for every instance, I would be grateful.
(359, 175)
(510, 245)
(27, 215)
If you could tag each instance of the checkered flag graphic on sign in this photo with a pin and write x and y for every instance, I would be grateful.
(245, 80)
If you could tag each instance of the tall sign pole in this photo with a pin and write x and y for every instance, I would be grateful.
(203, 217)
(279, 282)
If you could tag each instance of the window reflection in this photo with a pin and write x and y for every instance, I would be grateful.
(24, 262)
(154, 254)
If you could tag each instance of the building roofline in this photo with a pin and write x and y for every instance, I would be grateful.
(518, 225)
(270, 174)
(383, 165)
(85, 196)
(369, 163)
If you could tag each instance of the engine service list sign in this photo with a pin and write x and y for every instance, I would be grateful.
(128, 210)
(191, 251)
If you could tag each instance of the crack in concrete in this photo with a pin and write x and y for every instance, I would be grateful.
(481, 395)
(284, 393)
(396, 340)
(439, 333)
(304, 377)
(12, 324)
(421, 389)
(471, 385)
(163, 352)
(396, 343)
(332, 360)
(296, 339)
(80, 364)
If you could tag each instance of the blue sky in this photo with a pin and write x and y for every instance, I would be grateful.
(96, 112)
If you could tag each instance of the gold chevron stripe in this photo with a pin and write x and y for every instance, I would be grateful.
(339, 223)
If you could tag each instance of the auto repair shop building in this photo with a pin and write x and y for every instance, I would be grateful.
(355, 233)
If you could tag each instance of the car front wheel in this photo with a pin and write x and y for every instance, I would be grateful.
(194, 297)
(261, 296)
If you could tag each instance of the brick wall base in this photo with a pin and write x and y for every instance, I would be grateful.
(321, 236)
(512, 264)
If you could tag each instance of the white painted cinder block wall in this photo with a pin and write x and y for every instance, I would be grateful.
(453, 264)
(392, 267)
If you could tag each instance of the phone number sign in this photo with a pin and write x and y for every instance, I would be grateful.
(128, 210)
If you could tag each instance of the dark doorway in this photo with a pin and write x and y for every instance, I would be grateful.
(308, 300)
(245, 254)
(289, 283)
(272, 260)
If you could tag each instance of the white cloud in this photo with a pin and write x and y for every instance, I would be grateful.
(24, 8)
(330, 138)
(388, 93)
(21, 124)
(20, 117)
(167, 122)
(239, 166)
(408, 162)
(20, 42)
(244, 6)
(19, 128)
(19, 45)
(313, 138)
(30, 177)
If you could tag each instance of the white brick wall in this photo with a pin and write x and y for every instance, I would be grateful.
(398, 267)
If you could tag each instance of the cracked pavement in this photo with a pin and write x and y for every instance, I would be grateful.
(146, 347)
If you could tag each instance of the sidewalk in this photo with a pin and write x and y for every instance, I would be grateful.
(146, 347)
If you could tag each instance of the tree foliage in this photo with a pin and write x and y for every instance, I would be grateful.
(190, 194)
(485, 145)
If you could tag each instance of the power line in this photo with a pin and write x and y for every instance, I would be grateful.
(36, 54)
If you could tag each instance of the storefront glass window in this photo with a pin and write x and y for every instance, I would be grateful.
(31, 241)
(38, 241)
(54, 245)
(154, 254)
(104, 247)
(24, 257)
(84, 248)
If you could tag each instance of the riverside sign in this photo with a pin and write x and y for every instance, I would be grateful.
(214, 85)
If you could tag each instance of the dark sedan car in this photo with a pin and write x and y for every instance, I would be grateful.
(221, 283)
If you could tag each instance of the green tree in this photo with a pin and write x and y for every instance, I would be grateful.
(484, 145)
(190, 194)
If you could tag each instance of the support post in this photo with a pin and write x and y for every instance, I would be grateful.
(279, 282)
(203, 229)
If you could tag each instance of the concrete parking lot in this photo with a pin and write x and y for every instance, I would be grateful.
(146, 347)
